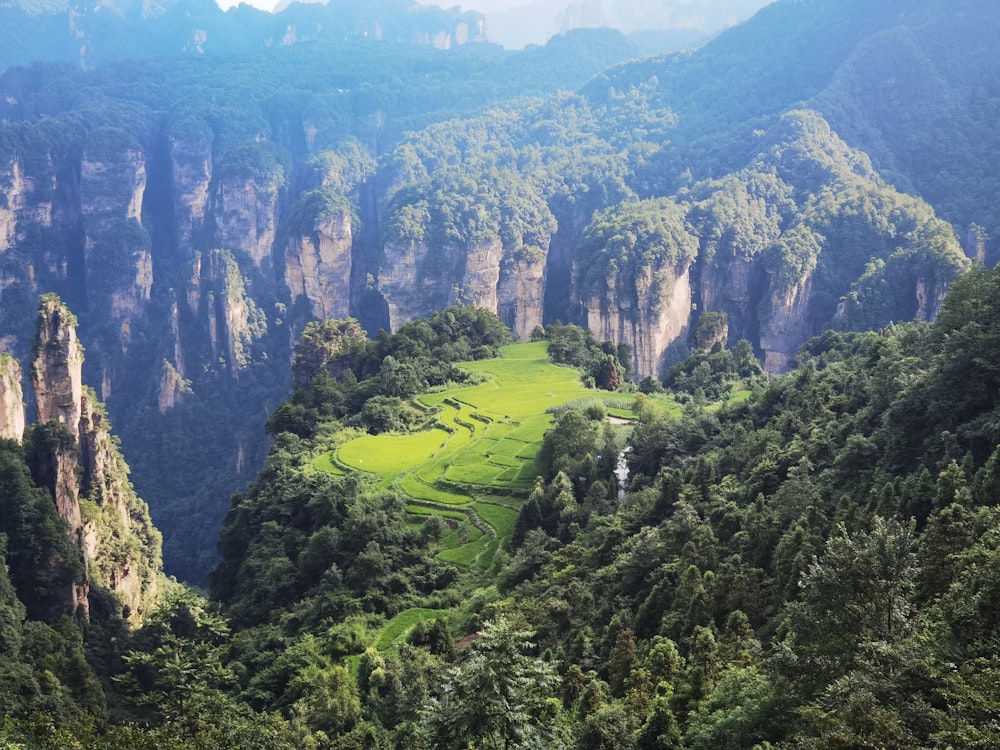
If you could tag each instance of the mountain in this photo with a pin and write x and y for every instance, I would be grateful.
(197, 220)
(199, 211)
(92, 35)
(686, 23)
(105, 553)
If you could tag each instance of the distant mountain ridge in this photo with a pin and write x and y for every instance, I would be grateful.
(94, 34)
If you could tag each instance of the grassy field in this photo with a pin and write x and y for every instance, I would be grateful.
(400, 625)
(483, 457)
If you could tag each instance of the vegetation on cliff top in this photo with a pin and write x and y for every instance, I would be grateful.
(695, 609)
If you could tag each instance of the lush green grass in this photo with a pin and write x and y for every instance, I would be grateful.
(494, 434)
(397, 628)
(423, 491)
(325, 463)
(510, 409)
(424, 510)
(501, 518)
(389, 456)
(468, 554)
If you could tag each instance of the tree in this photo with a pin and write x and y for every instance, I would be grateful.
(857, 595)
(181, 672)
(497, 697)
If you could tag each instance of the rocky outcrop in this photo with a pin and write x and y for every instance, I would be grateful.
(191, 175)
(521, 294)
(318, 265)
(930, 296)
(733, 287)
(78, 460)
(117, 249)
(478, 283)
(11, 399)
(414, 280)
(113, 183)
(786, 324)
(235, 320)
(120, 543)
(647, 312)
(246, 215)
(711, 330)
(57, 369)
(21, 203)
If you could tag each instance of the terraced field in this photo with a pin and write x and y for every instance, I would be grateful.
(480, 461)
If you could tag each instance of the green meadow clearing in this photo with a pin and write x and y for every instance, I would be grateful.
(480, 460)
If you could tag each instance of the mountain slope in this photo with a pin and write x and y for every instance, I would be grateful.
(197, 219)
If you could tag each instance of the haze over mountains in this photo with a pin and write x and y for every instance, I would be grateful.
(677, 23)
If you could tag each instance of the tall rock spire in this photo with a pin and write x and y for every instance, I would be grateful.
(76, 459)
(11, 399)
(57, 368)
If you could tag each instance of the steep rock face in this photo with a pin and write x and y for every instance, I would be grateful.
(21, 204)
(119, 541)
(77, 459)
(481, 274)
(409, 279)
(11, 399)
(711, 330)
(246, 216)
(114, 184)
(647, 312)
(117, 249)
(930, 295)
(191, 176)
(171, 389)
(57, 369)
(734, 288)
(416, 280)
(235, 320)
(521, 295)
(786, 324)
(318, 265)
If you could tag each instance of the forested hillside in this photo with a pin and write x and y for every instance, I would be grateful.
(197, 211)
(808, 561)
(810, 565)
(752, 544)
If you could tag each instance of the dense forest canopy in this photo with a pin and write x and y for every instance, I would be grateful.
(808, 562)
(680, 430)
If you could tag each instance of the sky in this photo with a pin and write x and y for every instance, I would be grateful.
(483, 6)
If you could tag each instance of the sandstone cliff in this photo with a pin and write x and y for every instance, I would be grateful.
(521, 293)
(461, 240)
(647, 311)
(246, 202)
(318, 265)
(11, 399)
(57, 369)
(190, 145)
(78, 460)
(631, 275)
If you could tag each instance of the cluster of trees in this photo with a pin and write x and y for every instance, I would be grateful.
(811, 566)
(605, 365)
(345, 376)
(805, 567)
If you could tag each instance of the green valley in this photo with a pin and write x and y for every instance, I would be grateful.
(480, 453)
(552, 399)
